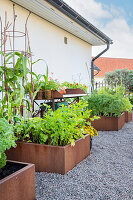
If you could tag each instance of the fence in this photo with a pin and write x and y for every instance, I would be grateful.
(100, 84)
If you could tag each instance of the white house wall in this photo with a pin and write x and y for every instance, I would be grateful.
(67, 61)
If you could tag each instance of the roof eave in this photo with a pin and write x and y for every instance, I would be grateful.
(80, 28)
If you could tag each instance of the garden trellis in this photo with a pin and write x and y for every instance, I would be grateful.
(15, 65)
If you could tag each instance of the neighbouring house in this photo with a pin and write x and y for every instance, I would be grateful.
(111, 64)
(58, 35)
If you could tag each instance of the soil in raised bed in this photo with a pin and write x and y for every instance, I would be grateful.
(10, 168)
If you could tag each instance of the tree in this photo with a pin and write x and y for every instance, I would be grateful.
(119, 76)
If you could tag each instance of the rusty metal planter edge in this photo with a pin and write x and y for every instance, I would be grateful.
(48, 158)
(128, 116)
(106, 123)
(19, 185)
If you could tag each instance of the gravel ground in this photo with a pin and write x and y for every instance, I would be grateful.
(107, 174)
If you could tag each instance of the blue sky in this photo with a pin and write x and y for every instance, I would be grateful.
(125, 5)
(114, 18)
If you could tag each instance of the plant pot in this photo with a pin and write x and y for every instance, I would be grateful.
(20, 185)
(39, 95)
(75, 91)
(48, 158)
(62, 91)
(128, 116)
(106, 123)
(57, 95)
(48, 94)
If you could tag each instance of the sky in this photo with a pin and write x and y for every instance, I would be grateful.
(112, 17)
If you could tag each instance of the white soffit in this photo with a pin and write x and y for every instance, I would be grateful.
(51, 14)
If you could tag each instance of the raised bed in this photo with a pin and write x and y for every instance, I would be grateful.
(106, 123)
(20, 184)
(128, 116)
(48, 158)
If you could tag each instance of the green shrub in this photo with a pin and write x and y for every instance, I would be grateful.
(61, 127)
(105, 104)
(119, 76)
(117, 93)
(7, 139)
(127, 104)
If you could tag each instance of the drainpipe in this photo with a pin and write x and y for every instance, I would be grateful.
(92, 65)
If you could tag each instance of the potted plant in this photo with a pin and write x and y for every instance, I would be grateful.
(53, 143)
(74, 88)
(52, 85)
(110, 110)
(43, 86)
(17, 177)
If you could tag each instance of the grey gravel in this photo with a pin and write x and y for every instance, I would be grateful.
(107, 174)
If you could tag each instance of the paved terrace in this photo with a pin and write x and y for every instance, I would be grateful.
(107, 174)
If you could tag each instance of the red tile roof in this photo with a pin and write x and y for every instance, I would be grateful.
(110, 64)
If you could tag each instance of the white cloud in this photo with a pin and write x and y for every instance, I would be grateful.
(90, 9)
(110, 20)
(122, 35)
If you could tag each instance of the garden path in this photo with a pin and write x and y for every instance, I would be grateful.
(107, 174)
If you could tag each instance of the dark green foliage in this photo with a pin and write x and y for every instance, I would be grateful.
(119, 76)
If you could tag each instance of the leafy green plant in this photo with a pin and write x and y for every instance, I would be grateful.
(12, 87)
(127, 106)
(105, 104)
(7, 139)
(119, 93)
(61, 127)
(42, 82)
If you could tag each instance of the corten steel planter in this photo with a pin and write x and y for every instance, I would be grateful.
(48, 158)
(109, 123)
(75, 91)
(128, 116)
(20, 185)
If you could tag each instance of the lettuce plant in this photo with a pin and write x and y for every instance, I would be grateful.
(7, 139)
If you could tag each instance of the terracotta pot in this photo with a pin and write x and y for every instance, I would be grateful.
(128, 116)
(39, 95)
(20, 185)
(48, 94)
(57, 95)
(109, 123)
(62, 91)
(48, 158)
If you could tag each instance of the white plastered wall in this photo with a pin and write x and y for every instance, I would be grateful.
(67, 61)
